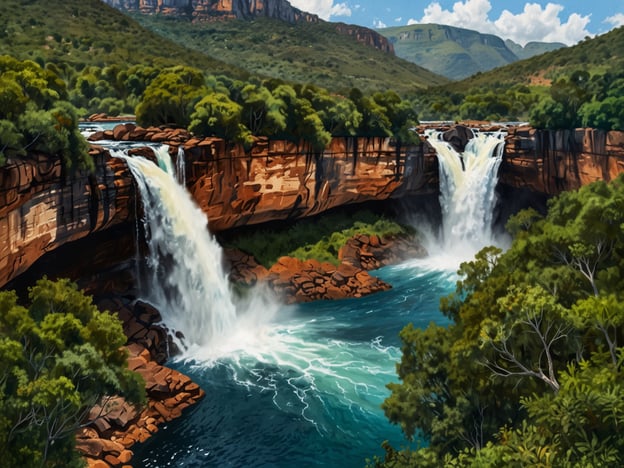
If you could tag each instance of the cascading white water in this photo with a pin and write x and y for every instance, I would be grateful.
(186, 281)
(467, 191)
(181, 167)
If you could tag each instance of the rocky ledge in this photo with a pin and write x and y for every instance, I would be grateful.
(117, 425)
(295, 280)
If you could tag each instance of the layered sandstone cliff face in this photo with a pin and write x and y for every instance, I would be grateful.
(280, 180)
(549, 162)
(215, 10)
(211, 10)
(41, 208)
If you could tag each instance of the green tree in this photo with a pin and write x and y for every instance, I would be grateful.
(263, 113)
(529, 371)
(303, 123)
(35, 116)
(58, 358)
(216, 114)
(607, 114)
(171, 96)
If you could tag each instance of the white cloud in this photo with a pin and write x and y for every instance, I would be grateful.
(534, 23)
(399, 19)
(340, 9)
(378, 24)
(325, 9)
(615, 20)
(412, 21)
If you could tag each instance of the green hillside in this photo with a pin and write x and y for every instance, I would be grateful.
(531, 49)
(449, 51)
(579, 86)
(604, 53)
(304, 52)
(88, 32)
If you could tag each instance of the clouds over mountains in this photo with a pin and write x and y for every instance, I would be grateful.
(544, 21)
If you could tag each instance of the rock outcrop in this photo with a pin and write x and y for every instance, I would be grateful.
(42, 208)
(551, 161)
(294, 280)
(117, 425)
(213, 10)
(366, 36)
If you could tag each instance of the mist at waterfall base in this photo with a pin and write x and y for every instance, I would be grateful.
(285, 385)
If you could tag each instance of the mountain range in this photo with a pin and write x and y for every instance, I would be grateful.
(452, 52)
(458, 53)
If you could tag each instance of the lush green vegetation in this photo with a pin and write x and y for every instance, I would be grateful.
(449, 51)
(317, 238)
(596, 55)
(567, 88)
(59, 356)
(298, 53)
(35, 117)
(73, 34)
(529, 373)
(236, 110)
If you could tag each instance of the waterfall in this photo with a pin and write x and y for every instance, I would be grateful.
(181, 167)
(468, 191)
(185, 279)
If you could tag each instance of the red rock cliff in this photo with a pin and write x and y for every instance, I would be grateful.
(280, 180)
(551, 161)
(211, 10)
(41, 208)
(215, 10)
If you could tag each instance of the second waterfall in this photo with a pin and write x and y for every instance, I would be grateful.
(468, 192)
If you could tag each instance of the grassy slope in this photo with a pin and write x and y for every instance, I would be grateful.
(531, 49)
(602, 53)
(90, 32)
(453, 52)
(301, 53)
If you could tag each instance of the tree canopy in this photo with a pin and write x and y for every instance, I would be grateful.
(35, 114)
(59, 356)
(530, 370)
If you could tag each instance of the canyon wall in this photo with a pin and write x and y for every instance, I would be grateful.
(549, 162)
(279, 180)
(41, 208)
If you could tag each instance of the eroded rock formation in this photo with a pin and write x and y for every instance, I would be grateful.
(211, 10)
(42, 208)
(278, 179)
(304, 281)
(549, 162)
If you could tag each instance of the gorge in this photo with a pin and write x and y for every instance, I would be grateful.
(44, 210)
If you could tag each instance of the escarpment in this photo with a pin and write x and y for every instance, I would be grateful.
(42, 208)
(549, 162)
(219, 10)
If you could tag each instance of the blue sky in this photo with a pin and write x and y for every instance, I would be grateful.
(567, 21)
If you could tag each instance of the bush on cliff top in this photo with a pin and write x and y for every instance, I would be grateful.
(34, 115)
(318, 238)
